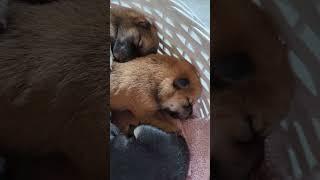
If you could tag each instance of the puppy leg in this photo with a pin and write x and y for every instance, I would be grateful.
(123, 120)
(3, 14)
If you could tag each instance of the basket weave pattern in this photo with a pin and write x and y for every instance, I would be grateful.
(295, 148)
(180, 36)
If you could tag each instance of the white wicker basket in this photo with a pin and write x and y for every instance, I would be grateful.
(295, 149)
(181, 36)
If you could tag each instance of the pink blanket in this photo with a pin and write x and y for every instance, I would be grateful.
(197, 135)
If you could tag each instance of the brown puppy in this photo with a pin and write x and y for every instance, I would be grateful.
(253, 86)
(154, 83)
(54, 87)
(132, 34)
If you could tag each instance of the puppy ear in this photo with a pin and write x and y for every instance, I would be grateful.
(144, 22)
(232, 68)
(181, 83)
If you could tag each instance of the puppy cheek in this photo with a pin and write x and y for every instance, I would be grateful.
(150, 45)
(166, 90)
(171, 105)
(176, 105)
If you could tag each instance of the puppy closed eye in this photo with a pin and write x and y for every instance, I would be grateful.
(181, 83)
(144, 23)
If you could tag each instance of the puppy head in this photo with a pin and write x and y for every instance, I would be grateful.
(178, 92)
(132, 34)
(251, 93)
(253, 80)
(253, 86)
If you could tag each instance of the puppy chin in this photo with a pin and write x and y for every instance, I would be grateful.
(178, 115)
(121, 57)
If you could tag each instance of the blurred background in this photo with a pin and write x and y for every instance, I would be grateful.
(201, 9)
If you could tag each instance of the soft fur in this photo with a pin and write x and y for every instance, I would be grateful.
(4, 11)
(145, 86)
(253, 86)
(149, 154)
(3, 14)
(132, 34)
(54, 85)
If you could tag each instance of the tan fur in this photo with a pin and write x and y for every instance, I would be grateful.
(127, 25)
(239, 26)
(145, 85)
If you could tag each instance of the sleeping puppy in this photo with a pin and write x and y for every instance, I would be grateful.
(253, 86)
(54, 86)
(132, 34)
(152, 84)
(149, 154)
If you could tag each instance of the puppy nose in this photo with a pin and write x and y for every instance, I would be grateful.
(188, 108)
(123, 51)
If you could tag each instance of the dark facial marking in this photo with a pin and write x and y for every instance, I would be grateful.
(124, 50)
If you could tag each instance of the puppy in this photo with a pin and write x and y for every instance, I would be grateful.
(253, 85)
(148, 85)
(149, 154)
(132, 34)
(54, 85)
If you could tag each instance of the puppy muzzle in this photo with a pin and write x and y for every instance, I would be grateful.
(124, 51)
(185, 112)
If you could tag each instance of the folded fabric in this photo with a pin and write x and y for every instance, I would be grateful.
(197, 135)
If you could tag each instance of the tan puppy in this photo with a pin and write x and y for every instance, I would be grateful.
(154, 83)
(253, 86)
(132, 34)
